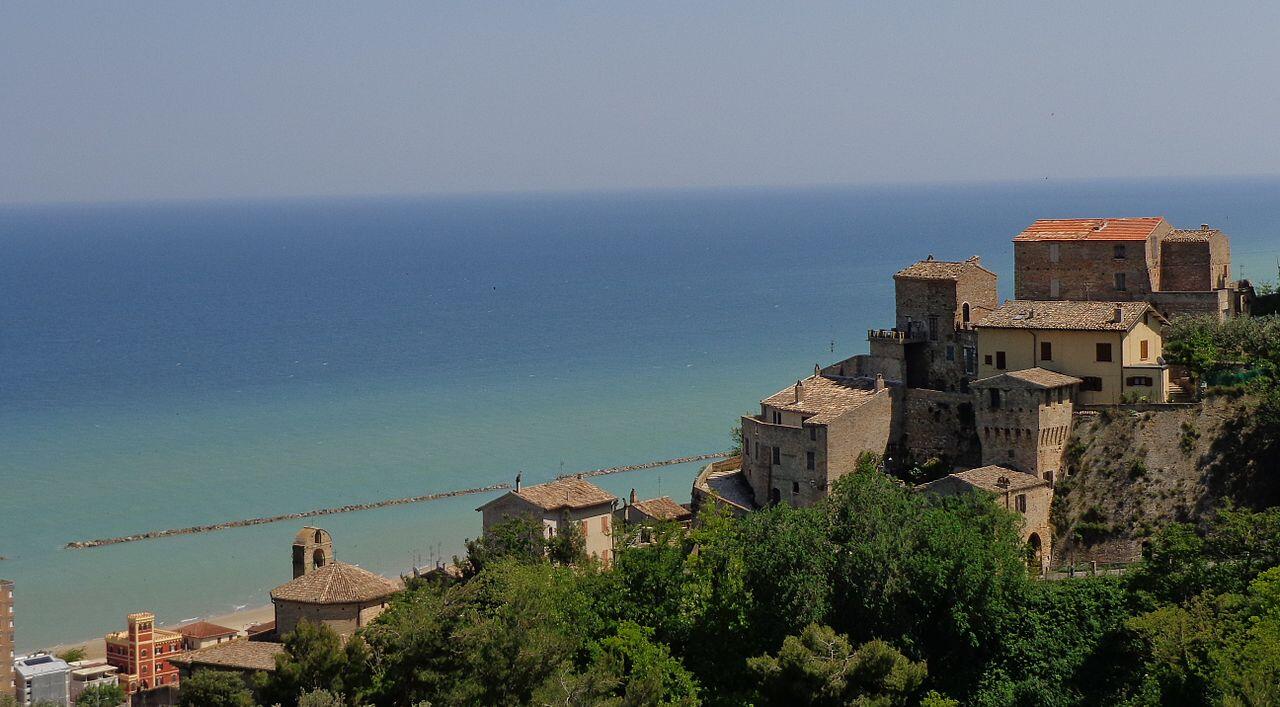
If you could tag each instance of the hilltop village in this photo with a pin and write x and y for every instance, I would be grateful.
(969, 393)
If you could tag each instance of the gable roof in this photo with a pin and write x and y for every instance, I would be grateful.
(204, 629)
(662, 508)
(241, 653)
(930, 269)
(1028, 378)
(823, 398)
(568, 492)
(990, 478)
(1070, 315)
(336, 583)
(1090, 229)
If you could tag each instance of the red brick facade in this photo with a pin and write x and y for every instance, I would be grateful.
(142, 654)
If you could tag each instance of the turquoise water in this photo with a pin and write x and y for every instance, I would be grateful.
(174, 364)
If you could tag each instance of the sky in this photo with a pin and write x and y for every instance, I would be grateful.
(111, 101)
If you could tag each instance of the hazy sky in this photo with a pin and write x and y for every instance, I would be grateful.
(133, 100)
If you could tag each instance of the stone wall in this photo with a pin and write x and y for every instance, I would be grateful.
(938, 425)
(1216, 302)
(1029, 430)
(1084, 270)
(342, 618)
(1186, 266)
(936, 308)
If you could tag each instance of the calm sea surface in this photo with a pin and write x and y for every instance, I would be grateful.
(177, 364)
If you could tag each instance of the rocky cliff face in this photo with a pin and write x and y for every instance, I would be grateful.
(1134, 470)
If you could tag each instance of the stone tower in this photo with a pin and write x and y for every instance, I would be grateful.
(1024, 420)
(312, 549)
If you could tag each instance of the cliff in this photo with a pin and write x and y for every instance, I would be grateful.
(1133, 470)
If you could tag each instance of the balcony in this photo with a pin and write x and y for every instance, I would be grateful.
(915, 333)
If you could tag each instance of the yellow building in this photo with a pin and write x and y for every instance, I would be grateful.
(1115, 348)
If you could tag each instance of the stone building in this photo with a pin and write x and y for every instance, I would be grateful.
(7, 685)
(324, 591)
(199, 634)
(655, 510)
(1024, 420)
(239, 655)
(42, 679)
(560, 505)
(1124, 259)
(142, 653)
(1115, 348)
(1025, 494)
(810, 434)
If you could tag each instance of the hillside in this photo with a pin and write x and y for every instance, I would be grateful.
(1134, 470)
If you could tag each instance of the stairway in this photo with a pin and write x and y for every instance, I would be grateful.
(1179, 394)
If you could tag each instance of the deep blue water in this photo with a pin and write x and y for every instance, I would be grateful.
(174, 364)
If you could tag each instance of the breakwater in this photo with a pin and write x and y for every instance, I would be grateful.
(351, 508)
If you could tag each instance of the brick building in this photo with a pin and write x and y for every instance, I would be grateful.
(7, 685)
(810, 434)
(1115, 348)
(1125, 259)
(141, 652)
(559, 505)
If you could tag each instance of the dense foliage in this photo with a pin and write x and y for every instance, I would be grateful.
(877, 596)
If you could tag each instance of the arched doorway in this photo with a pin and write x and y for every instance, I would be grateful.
(1035, 553)
(775, 496)
(318, 559)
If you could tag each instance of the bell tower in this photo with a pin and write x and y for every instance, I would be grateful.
(312, 549)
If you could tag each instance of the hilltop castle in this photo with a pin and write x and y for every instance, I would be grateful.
(984, 389)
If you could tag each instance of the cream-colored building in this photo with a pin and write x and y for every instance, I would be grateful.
(1114, 348)
(560, 505)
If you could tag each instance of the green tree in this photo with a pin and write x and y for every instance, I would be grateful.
(214, 688)
(521, 538)
(321, 698)
(315, 658)
(101, 696)
(72, 655)
(569, 546)
(820, 667)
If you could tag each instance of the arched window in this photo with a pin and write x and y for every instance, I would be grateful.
(964, 313)
(317, 558)
(320, 537)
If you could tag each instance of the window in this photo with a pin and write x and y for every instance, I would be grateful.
(933, 328)
(1054, 255)
(1055, 288)
(1144, 349)
(970, 360)
(995, 399)
(951, 352)
(1090, 383)
(604, 524)
(809, 462)
(795, 487)
(746, 448)
(775, 496)
(777, 455)
(1120, 281)
(1046, 351)
(1021, 503)
(964, 313)
(1000, 360)
(813, 434)
(1104, 353)
(1119, 252)
(777, 418)
(1144, 381)
(987, 359)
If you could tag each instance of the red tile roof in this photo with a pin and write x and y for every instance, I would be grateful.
(662, 508)
(204, 629)
(1093, 229)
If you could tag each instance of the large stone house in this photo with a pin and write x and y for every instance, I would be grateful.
(1123, 259)
(1115, 348)
(560, 505)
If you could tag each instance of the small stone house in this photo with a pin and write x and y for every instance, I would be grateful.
(1025, 494)
(559, 505)
(663, 509)
(1115, 348)
(325, 591)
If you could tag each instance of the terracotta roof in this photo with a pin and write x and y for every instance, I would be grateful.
(1081, 316)
(663, 508)
(240, 653)
(930, 269)
(264, 627)
(1188, 236)
(568, 492)
(823, 398)
(988, 478)
(1029, 378)
(204, 629)
(1092, 229)
(336, 583)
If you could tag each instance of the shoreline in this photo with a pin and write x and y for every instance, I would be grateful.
(96, 648)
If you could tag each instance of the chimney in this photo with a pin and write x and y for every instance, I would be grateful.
(976, 260)
(799, 390)
(518, 475)
(879, 382)
(1204, 227)
(817, 369)
(1118, 315)
(632, 498)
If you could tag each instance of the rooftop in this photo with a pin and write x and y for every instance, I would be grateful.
(724, 479)
(823, 398)
(998, 479)
(336, 583)
(568, 492)
(33, 665)
(930, 269)
(159, 635)
(1090, 229)
(1029, 378)
(662, 508)
(1081, 316)
(204, 629)
(240, 653)
(1192, 236)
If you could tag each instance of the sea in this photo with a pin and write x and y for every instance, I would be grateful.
(184, 363)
